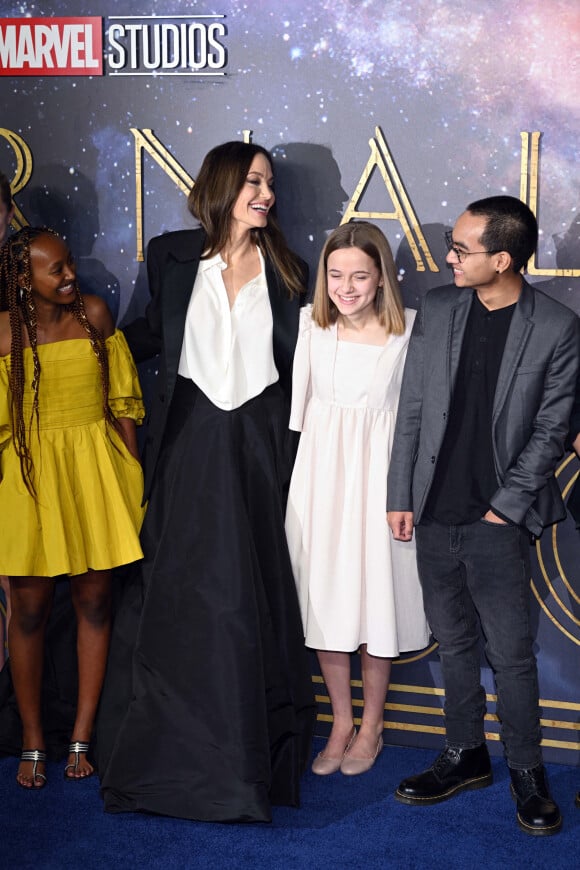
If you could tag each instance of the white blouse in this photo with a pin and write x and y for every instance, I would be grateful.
(227, 352)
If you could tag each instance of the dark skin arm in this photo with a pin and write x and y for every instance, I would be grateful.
(5, 336)
(99, 315)
(5, 333)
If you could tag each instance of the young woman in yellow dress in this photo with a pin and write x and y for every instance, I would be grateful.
(6, 212)
(70, 478)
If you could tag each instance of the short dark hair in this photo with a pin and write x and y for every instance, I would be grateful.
(511, 226)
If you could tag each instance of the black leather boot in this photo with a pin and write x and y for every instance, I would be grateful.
(537, 813)
(454, 770)
(577, 799)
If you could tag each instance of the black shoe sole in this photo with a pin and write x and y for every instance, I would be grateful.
(545, 831)
(533, 830)
(466, 785)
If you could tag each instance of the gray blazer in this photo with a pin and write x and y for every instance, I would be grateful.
(533, 399)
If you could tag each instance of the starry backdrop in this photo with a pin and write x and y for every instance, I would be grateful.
(451, 86)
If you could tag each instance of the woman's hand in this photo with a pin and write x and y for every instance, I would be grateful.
(128, 432)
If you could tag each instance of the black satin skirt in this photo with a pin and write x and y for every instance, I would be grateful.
(207, 711)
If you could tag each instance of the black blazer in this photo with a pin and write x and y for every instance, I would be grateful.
(172, 264)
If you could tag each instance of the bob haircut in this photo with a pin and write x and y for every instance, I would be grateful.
(388, 303)
(223, 173)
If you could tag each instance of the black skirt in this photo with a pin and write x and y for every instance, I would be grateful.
(207, 710)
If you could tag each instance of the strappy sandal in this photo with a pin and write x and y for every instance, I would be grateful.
(77, 747)
(37, 756)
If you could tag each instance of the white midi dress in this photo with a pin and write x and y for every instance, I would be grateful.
(356, 585)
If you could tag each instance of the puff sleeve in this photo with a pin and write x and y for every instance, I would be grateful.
(125, 397)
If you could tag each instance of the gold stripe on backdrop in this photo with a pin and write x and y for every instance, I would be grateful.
(424, 710)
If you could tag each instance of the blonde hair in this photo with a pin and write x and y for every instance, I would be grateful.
(388, 303)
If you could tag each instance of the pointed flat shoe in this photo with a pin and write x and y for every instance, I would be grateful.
(353, 766)
(323, 765)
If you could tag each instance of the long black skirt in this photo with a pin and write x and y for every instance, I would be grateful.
(207, 710)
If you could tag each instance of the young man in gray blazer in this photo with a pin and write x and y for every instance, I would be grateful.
(486, 397)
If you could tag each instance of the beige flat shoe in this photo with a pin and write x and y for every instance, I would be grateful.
(323, 765)
(353, 766)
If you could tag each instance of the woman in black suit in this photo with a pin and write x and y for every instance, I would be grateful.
(207, 711)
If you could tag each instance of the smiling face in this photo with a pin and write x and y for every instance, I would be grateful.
(256, 197)
(478, 268)
(352, 280)
(52, 270)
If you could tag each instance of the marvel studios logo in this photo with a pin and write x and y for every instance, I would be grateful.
(180, 45)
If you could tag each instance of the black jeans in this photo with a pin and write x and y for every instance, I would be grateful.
(480, 574)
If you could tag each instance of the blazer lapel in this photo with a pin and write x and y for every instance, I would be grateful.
(517, 337)
(457, 324)
(179, 280)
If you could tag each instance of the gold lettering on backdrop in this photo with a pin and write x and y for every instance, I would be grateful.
(22, 174)
(145, 140)
(404, 213)
(380, 158)
(529, 193)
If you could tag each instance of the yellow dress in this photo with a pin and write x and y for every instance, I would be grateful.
(87, 512)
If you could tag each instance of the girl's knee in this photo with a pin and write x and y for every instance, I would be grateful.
(29, 620)
(94, 609)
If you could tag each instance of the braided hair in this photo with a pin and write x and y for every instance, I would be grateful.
(16, 298)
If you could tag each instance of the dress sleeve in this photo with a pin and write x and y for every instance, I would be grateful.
(301, 382)
(125, 397)
(5, 421)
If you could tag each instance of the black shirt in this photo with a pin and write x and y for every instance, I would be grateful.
(465, 478)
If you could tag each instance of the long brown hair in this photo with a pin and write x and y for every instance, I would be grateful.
(16, 298)
(222, 176)
(388, 303)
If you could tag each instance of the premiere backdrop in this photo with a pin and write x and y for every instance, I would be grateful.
(401, 112)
